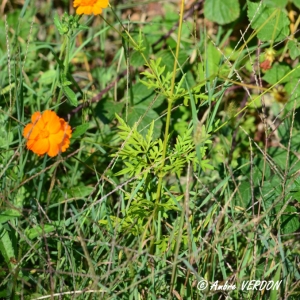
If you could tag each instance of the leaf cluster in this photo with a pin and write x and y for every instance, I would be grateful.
(143, 155)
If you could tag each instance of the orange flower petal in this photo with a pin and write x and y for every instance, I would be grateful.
(65, 145)
(54, 125)
(30, 144)
(40, 124)
(76, 3)
(104, 3)
(66, 127)
(40, 146)
(80, 10)
(88, 7)
(96, 10)
(35, 117)
(53, 149)
(27, 130)
(57, 138)
(49, 116)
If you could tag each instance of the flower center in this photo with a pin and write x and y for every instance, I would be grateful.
(44, 134)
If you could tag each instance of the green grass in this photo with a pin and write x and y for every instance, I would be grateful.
(184, 159)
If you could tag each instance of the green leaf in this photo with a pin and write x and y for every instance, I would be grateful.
(47, 77)
(80, 130)
(295, 190)
(167, 57)
(136, 59)
(277, 71)
(6, 246)
(212, 64)
(36, 231)
(8, 215)
(7, 88)
(290, 220)
(83, 27)
(276, 279)
(293, 88)
(294, 48)
(70, 95)
(137, 112)
(106, 110)
(276, 3)
(76, 192)
(297, 3)
(243, 197)
(270, 23)
(146, 96)
(222, 11)
(57, 23)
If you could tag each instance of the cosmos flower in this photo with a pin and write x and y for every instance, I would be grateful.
(47, 133)
(88, 7)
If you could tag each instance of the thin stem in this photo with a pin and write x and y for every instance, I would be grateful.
(65, 48)
(168, 120)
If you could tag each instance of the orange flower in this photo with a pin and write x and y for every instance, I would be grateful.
(89, 7)
(47, 133)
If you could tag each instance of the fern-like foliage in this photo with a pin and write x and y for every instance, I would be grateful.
(160, 80)
(143, 155)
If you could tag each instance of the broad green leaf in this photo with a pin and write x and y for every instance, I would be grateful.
(212, 63)
(47, 77)
(243, 197)
(270, 192)
(276, 73)
(293, 89)
(295, 189)
(70, 95)
(136, 59)
(76, 192)
(146, 96)
(270, 23)
(106, 110)
(296, 2)
(5, 294)
(296, 195)
(80, 130)
(145, 116)
(167, 58)
(276, 3)
(290, 220)
(294, 48)
(222, 11)
(292, 86)
(8, 215)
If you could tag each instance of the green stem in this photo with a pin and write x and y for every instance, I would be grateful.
(65, 48)
(66, 64)
(168, 121)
